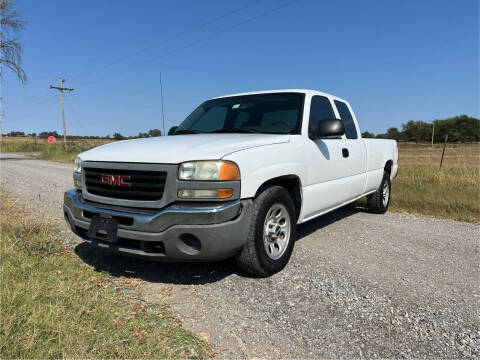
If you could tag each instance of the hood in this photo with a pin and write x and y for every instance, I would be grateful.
(180, 148)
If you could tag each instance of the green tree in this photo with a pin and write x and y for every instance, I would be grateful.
(417, 131)
(394, 133)
(154, 133)
(367, 135)
(461, 128)
(46, 134)
(118, 136)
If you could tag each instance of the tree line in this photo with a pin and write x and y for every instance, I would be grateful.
(115, 136)
(461, 128)
(150, 133)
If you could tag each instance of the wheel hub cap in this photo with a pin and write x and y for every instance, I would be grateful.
(276, 231)
(385, 193)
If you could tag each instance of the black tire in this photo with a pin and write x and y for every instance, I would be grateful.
(375, 201)
(253, 258)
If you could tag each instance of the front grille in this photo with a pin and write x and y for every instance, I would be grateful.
(144, 185)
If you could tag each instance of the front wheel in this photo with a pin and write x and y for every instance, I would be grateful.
(272, 233)
(378, 201)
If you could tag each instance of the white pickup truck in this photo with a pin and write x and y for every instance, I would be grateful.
(233, 179)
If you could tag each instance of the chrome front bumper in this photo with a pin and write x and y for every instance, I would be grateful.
(182, 231)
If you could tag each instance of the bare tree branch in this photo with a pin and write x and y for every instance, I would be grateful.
(10, 48)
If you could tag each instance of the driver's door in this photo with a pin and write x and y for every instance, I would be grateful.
(327, 185)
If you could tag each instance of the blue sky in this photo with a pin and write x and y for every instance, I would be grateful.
(394, 61)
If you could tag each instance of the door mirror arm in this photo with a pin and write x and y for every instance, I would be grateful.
(172, 130)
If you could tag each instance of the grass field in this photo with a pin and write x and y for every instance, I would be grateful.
(420, 188)
(452, 192)
(54, 152)
(55, 306)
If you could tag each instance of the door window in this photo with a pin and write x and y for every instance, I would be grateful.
(320, 109)
(347, 119)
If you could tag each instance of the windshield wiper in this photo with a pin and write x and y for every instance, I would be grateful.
(236, 130)
(186, 131)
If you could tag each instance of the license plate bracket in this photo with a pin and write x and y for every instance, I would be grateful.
(103, 229)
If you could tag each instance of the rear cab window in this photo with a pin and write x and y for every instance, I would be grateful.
(347, 119)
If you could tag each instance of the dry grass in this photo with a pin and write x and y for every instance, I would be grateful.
(456, 155)
(55, 306)
(53, 152)
(452, 192)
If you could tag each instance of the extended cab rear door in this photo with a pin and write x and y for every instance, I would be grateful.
(356, 151)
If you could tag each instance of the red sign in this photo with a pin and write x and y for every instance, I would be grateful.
(51, 139)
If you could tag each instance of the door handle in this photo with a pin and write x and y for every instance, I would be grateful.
(345, 152)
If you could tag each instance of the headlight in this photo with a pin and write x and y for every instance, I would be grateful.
(209, 170)
(77, 167)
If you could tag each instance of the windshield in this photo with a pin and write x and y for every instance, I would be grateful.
(274, 113)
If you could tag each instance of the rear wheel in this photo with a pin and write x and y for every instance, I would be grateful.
(378, 201)
(272, 233)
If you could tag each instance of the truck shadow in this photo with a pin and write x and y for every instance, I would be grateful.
(305, 229)
(153, 271)
(189, 273)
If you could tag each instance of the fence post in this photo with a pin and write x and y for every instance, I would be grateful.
(433, 132)
(443, 151)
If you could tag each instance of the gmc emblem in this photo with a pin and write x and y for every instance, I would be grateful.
(114, 180)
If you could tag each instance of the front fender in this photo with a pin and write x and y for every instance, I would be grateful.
(258, 165)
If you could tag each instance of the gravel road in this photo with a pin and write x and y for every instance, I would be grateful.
(358, 284)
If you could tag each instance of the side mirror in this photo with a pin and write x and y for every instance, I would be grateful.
(326, 128)
(172, 130)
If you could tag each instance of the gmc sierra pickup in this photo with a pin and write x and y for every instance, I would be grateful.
(233, 179)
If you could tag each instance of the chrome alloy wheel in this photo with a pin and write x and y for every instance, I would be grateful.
(385, 193)
(276, 231)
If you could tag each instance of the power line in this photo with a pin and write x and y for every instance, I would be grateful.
(193, 43)
(30, 104)
(37, 107)
(179, 35)
(158, 43)
(79, 122)
(41, 96)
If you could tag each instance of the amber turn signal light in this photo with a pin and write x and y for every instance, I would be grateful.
(229, 171)
(224, 193)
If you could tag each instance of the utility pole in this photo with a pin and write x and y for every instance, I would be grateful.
(62, 89)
